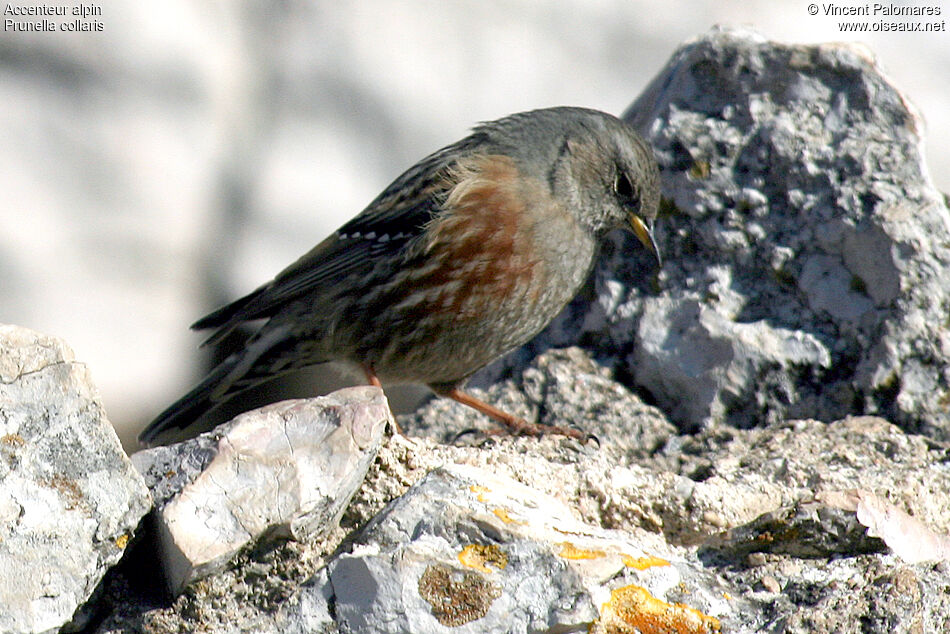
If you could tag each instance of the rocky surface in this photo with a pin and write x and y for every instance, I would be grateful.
(287, 469)
(800, 208)
(807, 245)
(806, 250)
(70, 500)
(762, 530)
(768, 445)
(465, 550)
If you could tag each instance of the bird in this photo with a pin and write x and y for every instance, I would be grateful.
(464, 257)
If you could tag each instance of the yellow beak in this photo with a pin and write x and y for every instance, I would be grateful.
(644, 233)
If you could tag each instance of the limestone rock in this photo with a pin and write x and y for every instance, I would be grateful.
(287, 469)
(752, 506)
(70, 499)
(560, 387)
(466, 551)
(798, 202)
(806, 250)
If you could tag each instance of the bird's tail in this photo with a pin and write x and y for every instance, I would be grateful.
(189, 408)
(240, 371)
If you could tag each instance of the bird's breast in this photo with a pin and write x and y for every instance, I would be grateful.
(487, 247)
(489, 271)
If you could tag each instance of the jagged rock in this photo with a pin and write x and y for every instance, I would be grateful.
(287, 469)
(784, 561)
(560, 387)
(751, 505)
(467, 551)
(69, 497)
(788, 463)
(796, 172)
(685, 343)
(806, 250)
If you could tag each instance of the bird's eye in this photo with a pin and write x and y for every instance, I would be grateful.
(625, 190)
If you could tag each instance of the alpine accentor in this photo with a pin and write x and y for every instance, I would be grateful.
(466, 256)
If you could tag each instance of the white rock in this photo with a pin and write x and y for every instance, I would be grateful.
(286, 469)
(465, 551)
(69, 497)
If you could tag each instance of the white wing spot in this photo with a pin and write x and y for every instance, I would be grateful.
(371, 235)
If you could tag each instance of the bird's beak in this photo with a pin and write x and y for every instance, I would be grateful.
(644, 233)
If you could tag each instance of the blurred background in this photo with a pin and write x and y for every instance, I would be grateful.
(189, 150)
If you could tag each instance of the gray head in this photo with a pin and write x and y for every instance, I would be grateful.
(590, 158)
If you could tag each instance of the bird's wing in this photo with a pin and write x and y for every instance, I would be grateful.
(385, 228)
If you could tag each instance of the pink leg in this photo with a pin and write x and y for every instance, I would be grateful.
(517, 426)
(373, 380)
(371, 377)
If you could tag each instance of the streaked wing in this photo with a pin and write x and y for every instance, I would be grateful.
(384, 229)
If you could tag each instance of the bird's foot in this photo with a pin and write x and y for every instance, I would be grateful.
(514, 425)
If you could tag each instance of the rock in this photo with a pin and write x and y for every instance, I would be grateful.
(741, 502)
(69, 497)
(560, 387)
(713, 362)
(288, 469)
(733, 477)
(798, 172)
(807, 530)
(806, 250)
(466, 551)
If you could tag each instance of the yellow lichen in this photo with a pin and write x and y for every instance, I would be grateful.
(633, 609)
(642, 563)
(480, 491)
(12, 440)
(700, 170)
(570, 551)
(504, 517)
(477, 556)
